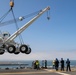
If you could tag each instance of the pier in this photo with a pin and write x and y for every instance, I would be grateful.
(14, 64)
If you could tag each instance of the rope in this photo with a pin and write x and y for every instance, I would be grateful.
(20, 37)
(31, 14)
(17, 19)
(2, 18)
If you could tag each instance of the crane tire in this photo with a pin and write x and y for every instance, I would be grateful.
(29, 51)
(16, 52)
(2, 51)
(11, 49)
(23, 48)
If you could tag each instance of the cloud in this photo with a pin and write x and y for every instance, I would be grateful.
(40, 56)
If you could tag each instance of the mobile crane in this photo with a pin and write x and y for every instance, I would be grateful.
(7, 42)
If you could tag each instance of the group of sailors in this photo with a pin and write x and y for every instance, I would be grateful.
(36, 64)
(56, 64)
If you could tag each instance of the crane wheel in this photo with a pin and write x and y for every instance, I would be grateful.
(29, 51)
(11, 49)
(23, 48)
(2, 51)
(16, 52)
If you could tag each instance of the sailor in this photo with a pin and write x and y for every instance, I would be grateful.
(62, 64)
(56, 64)
(42, 63)
(53, 64)
(68, 65)
(37, 64)
(46, 64)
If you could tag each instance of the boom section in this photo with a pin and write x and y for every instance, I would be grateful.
(20, 30)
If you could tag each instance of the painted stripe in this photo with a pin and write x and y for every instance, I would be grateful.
(23, 73)
(57, 72)
(62, 73)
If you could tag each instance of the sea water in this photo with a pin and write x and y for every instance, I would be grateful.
(29, 62)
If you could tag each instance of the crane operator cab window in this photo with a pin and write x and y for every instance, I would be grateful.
(6, 35)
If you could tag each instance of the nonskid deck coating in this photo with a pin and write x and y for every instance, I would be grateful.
(35, 72)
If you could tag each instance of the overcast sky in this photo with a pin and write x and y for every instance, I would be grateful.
(48, 39)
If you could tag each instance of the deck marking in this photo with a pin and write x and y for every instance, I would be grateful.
(23, 73)
(57, 72)
(62, 73)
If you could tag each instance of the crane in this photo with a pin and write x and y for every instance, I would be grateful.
(7, 41)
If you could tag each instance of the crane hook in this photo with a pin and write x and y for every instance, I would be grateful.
(11, 3)
(48, 14)
(48, 18)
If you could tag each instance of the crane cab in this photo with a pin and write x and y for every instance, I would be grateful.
(5, 35)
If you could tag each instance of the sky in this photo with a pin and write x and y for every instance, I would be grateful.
(48, 39)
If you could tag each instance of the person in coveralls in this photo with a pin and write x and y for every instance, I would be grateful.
(56, 64)
(46, 64)
(68, 65)
(62, 64)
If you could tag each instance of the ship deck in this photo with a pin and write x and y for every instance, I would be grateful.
(35, 72)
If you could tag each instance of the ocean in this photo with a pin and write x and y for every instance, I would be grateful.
(29, 64)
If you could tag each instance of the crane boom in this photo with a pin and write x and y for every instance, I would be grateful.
(20, 30)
